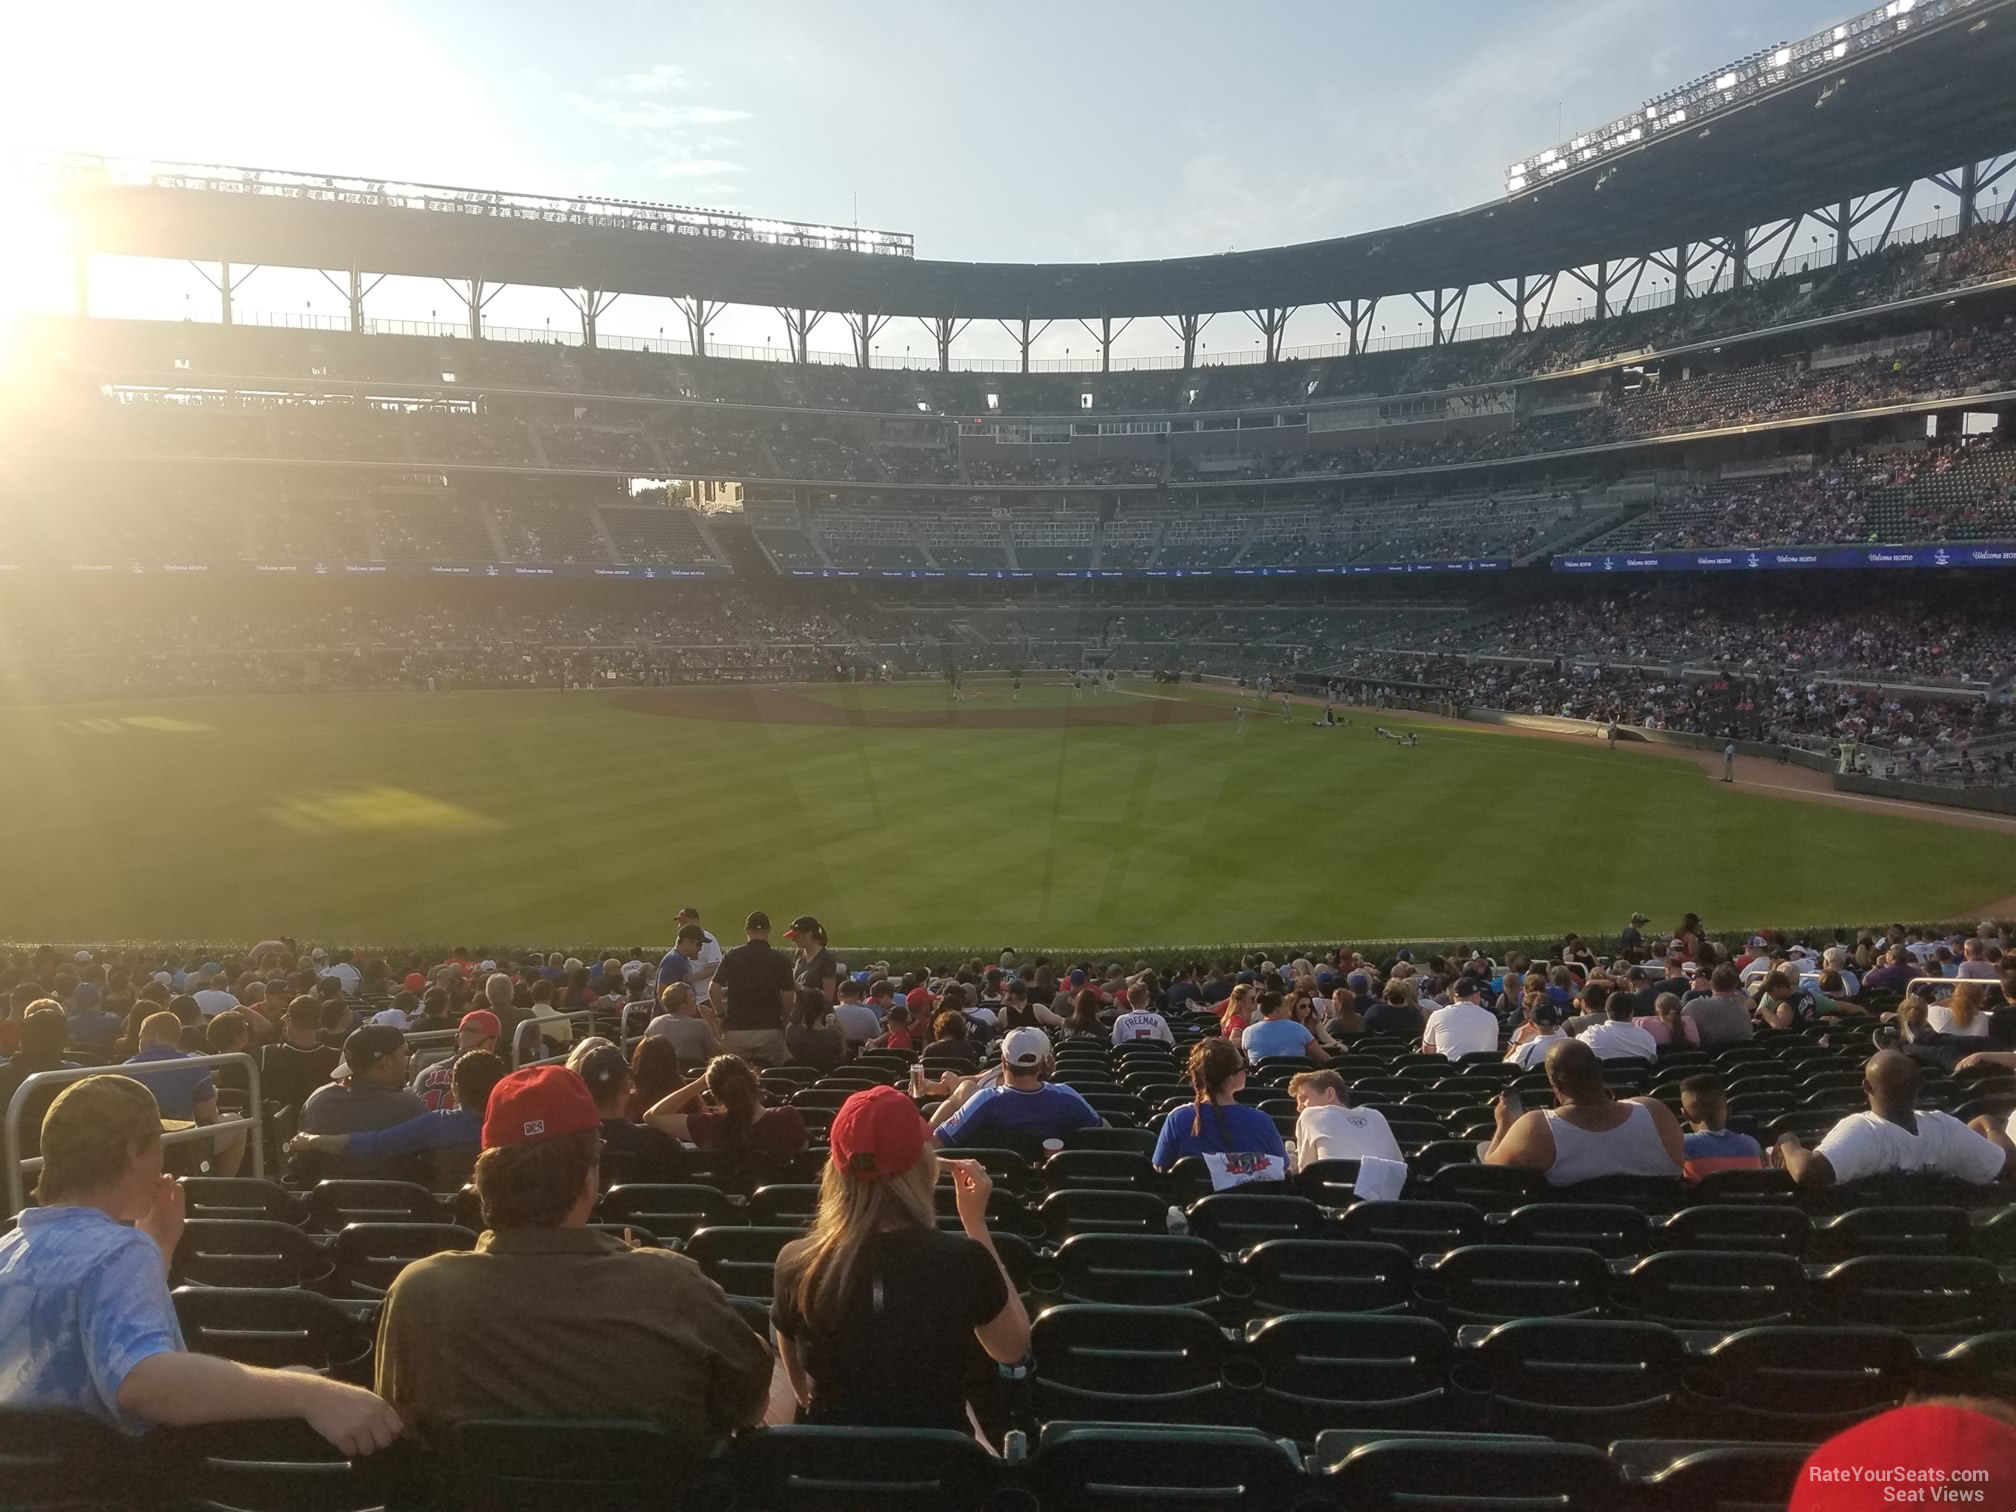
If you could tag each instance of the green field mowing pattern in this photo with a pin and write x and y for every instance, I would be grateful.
(546, 816)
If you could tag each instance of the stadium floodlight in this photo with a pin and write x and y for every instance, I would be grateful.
(1736, 84)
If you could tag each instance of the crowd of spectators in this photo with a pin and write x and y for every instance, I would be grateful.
(534, 1089)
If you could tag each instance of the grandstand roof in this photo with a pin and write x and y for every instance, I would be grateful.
(1936, 96)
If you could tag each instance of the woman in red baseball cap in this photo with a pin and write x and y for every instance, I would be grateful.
(882, 1319)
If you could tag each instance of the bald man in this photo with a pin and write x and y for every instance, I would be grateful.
(1896, 1138)
(1589, 1132)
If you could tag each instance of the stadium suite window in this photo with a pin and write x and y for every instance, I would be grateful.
(993, 401)
(1084, 401)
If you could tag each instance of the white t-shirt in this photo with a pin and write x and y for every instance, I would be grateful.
(1331, 1133)
(348, 975)
(1143, 1024)
(1864, 1144)
(1461, 1029)
(1938, 1016)
(704, 966)
(1532, 1055)
(1977, 971)
(215, 1000)
(1612, 1040)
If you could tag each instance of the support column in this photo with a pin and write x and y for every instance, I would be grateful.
(866, 328)
(1024, 337)
(353, 290)
(1187, 329)
(1526, 292)
(798, 327)
(699, 315)
(1444, 308)
(476, 295)
(224, 284)
(591, 305)
(1844, 231)
(1271, 324)
(944, 329)
(1739, 259)
(1103, 336)
(1357, 317)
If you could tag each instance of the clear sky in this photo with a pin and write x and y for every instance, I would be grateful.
(1102, 129)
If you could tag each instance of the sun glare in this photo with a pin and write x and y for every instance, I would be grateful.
(34, 257)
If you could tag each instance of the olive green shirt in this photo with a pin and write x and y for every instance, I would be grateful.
(568, 1323)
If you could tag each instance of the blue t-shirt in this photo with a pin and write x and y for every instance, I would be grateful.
(1232, 1130)
(674, 968)
(177, 1092)
(441, 1129)
(82, 1301)
(1042, 1111)
(1277, 1037)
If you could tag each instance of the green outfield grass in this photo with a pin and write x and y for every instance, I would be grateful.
(528, 817)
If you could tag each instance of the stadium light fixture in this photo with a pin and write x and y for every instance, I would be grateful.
(1734, 85)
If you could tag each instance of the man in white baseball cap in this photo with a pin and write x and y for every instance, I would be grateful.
(1021, 1106)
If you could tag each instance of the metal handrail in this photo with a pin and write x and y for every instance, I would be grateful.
(253, 1122)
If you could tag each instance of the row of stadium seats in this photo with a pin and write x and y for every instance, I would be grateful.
(65, 1461)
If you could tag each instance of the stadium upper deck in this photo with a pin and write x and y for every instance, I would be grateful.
(1909, 88)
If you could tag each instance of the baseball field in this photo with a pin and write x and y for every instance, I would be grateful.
(1141, 817)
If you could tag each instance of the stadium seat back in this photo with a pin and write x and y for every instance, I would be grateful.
(1781, 1229)
(1917, 1293)
(1133, 1364)
(1612, 1230)
(1437, 1474)
(1327, 1275)
(276, 1328)
(337, 1202)
(670, 1210)
(283, 1465)
(1150, 1270)
(1892, 1231)
(1715, 1288)
(782, 1204)
(1321, 1370)
(1093, 1210)
(247, 1252)
(1802, 1384)
(1582, 1379)
(1490, 1188)
(1132, 1141)
(54, 1460)
(369, 1255)
(1329, 1183)
(1100, 1170)
(241, 1197)
(1101, 1467)
(1491, 1283)
(1235, 1220)
(535, 1465)
(1420, 1228)
(741, 1261)
(1687, 1476)
(817, 1469)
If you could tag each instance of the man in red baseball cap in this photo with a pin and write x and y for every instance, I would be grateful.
(478, 1030)
(547, 1317)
